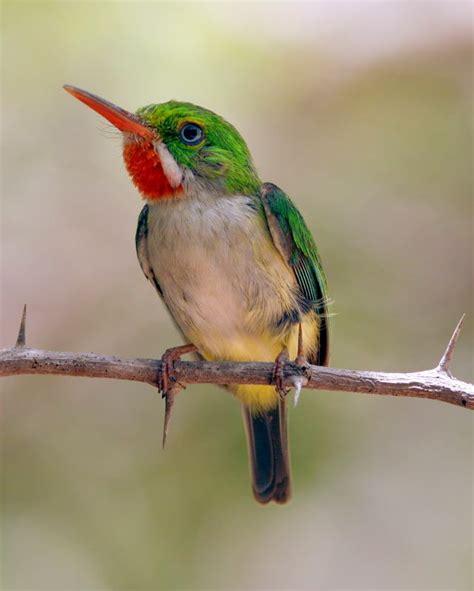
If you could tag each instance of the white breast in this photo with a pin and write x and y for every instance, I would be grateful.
(218, 268)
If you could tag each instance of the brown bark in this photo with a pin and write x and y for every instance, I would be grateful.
(437, 383)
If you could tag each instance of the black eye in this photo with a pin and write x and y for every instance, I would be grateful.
(191, 134)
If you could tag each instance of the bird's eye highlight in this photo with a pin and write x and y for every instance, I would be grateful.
(191, 134)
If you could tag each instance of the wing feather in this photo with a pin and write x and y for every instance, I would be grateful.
(295, 243)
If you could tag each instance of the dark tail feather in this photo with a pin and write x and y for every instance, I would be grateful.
(267, 438)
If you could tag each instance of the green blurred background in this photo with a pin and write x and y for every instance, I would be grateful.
(362, 112)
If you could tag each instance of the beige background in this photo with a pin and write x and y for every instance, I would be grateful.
(362, 112)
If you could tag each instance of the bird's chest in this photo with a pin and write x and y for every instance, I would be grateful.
(207, 258)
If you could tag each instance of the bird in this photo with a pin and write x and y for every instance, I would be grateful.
(232, 259)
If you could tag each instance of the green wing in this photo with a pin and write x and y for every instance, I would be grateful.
(296, 245)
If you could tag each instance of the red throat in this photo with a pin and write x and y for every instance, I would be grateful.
(144, 166)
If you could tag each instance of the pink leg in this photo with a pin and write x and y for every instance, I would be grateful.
(300, 360)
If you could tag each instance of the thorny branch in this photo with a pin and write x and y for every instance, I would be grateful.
(437, 383)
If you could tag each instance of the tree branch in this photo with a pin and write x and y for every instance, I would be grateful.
(437, 383)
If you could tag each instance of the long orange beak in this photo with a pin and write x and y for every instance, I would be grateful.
(122, 119)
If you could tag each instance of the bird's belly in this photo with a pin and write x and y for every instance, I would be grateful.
(227, 288)
(207, 305)
(222, 278)
(208, 301)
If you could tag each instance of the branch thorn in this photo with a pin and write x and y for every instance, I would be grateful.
(445, 361)
(168, 406)
(20, 341)
(298, 383)
(169, 396)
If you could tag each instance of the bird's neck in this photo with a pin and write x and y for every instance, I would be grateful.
(145, 168)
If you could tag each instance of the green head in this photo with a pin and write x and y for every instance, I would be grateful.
(176, 149)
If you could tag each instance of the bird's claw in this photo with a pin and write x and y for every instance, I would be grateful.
(168, 385)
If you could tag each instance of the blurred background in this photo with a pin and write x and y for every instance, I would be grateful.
(361, 111)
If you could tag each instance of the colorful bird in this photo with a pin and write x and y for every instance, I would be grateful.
(232, 259)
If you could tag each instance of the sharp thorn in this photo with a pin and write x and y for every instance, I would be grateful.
(21, 339)
(168, 406)
(445, 361)
(169, 397)
(298, 383)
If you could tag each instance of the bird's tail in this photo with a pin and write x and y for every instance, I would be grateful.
(267, 438)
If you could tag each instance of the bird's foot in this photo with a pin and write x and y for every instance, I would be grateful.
(301, 362)
(167, 380)
(278, 373)
(169, 386)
